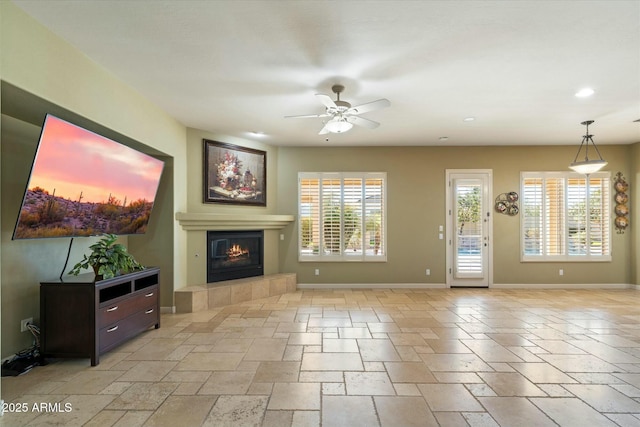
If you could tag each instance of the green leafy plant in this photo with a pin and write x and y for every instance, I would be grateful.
(108, 259)
(469, 208)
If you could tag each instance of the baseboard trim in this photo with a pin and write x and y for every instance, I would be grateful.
(532, 286)
(168, 310)
(562, 286)
(371, 285)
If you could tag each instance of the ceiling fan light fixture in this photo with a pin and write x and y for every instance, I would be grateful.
(587, 166)
(342, 116)
(338, 125)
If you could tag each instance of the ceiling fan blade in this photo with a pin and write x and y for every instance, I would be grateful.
(308, 116)
(369, 106)
(326, 101)
(361, 121)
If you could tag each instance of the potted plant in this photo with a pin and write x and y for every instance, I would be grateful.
(108, 259)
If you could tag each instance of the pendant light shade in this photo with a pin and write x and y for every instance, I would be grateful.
(587, 166)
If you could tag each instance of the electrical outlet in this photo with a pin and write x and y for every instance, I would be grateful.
(317, 271)
(561, 272)
(428, 272)
(282, 237)
(24, 323)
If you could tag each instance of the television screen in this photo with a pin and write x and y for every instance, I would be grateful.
(83, 184)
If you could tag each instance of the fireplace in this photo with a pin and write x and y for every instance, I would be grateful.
(234, 255)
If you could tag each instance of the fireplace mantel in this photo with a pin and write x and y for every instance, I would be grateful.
(207, 221)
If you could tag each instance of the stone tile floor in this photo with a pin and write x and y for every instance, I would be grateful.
(448, 357)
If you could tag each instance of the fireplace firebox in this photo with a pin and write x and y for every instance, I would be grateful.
(234, 255)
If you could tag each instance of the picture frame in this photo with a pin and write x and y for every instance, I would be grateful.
(234, 174)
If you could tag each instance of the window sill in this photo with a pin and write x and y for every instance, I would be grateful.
(606, 258)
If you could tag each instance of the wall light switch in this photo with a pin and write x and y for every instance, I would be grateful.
(428, 272)
(440, 228)
(440, 236)
(317, 272)
(561, 272)
(282, 237)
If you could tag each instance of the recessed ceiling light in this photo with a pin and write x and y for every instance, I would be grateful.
(468, 119)
(585, 92)
(257, 133)
(443, 138)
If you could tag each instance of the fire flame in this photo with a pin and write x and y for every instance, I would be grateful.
(237, 251)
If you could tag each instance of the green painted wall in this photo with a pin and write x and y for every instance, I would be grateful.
(196, 240)
(416, 207)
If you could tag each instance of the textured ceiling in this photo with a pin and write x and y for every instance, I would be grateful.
(233, 67)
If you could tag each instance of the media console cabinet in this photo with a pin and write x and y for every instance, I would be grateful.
(84, 317)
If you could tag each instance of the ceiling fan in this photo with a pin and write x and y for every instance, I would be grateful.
(342, 115)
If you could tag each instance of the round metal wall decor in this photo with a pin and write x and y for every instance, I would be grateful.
(622, 211)
(507, 203)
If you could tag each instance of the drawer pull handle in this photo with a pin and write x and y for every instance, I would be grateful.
(114, 308)
(149, 311)
(149, 295)
(112, 329)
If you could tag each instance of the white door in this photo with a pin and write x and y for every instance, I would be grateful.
(469, 228)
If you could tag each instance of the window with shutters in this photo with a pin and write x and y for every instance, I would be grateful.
(565, 216)
(342, 216)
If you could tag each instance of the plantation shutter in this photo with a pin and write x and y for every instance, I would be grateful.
(352, 217)
(565, 216)
(342, 216)
(599, 222)
(309, 215)
(577, 216)
(375, 216)
(331, 216)
(532, 218)
(555, 219)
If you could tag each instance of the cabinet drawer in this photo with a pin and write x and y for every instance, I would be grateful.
(132, 325)
(111, 313)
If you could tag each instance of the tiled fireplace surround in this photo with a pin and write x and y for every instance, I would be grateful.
(201, 297)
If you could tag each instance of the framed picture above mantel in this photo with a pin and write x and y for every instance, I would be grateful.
(234, 174)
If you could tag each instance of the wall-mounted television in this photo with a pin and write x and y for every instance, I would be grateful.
(83, 184)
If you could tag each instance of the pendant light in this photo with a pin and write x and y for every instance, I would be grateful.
(587, 166)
